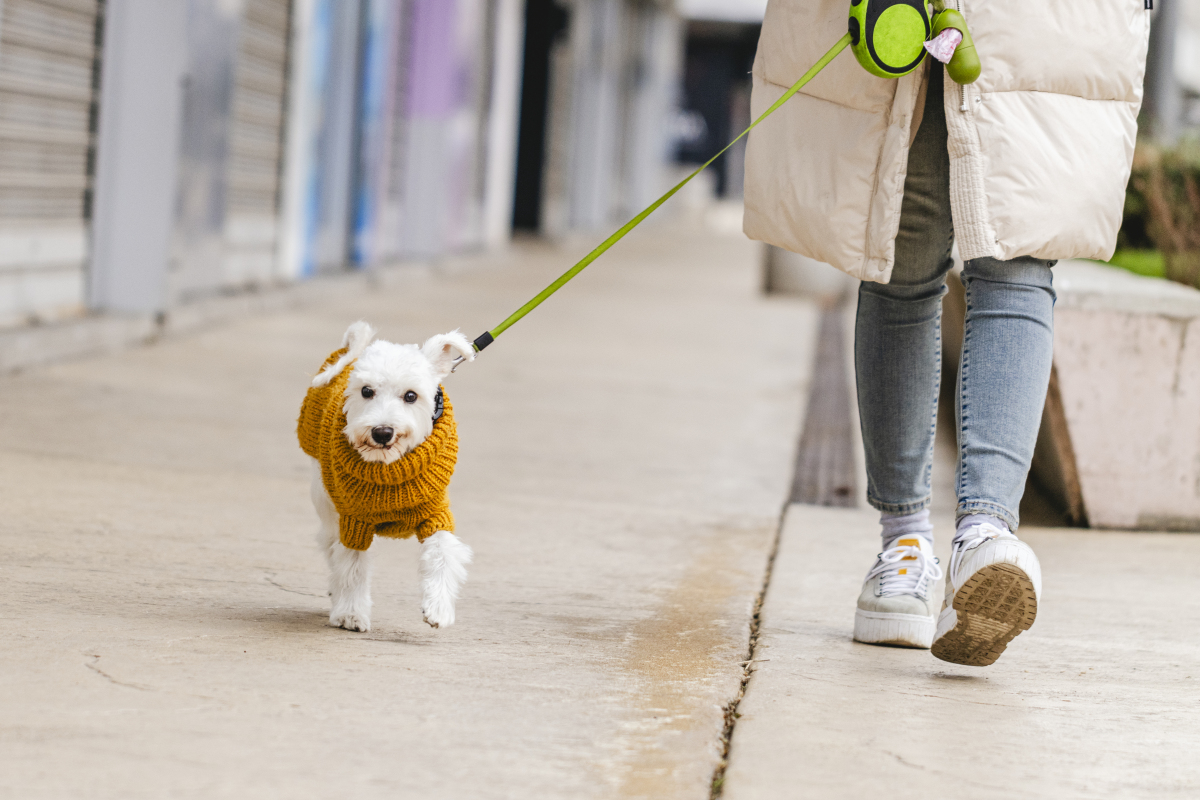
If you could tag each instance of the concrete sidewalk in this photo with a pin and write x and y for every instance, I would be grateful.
(1099, 699)
(625, 453)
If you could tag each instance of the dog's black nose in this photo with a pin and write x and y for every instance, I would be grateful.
(382, 434)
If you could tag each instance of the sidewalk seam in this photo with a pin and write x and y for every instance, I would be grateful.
(730, 709)
(825, 447)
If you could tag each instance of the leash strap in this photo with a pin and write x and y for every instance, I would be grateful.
(490, 336)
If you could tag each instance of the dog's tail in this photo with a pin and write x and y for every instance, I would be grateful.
(357, 337)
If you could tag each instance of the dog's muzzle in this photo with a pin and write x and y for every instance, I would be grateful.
(381, 435)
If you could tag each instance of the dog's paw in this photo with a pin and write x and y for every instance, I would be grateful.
(350, 621)
(438, 615)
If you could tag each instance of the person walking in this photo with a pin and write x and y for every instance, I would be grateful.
(880, 178)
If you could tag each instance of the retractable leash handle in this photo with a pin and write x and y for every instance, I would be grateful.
(888, 39)
(888, 36)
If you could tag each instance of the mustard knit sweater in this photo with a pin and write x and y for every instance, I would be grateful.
(399, 499)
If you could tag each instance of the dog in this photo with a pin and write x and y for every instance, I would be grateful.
(381, 435)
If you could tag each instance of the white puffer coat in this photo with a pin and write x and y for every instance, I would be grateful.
(1038, 160)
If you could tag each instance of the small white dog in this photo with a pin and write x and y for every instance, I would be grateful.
(383, 444)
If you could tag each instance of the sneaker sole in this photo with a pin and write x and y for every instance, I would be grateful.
(896, 630)
(991, 608)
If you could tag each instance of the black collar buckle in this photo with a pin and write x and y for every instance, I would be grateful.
(439, 405)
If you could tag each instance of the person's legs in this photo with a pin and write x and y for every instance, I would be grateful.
(898, 363)
(897, 339)
(1008, 343)
(994, 580)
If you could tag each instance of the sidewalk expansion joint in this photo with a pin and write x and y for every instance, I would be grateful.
(731, 708)
(824, 476)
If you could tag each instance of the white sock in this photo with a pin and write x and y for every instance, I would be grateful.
(897, 525)
(978, 519)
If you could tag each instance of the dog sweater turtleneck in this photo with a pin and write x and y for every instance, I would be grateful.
(400, 499)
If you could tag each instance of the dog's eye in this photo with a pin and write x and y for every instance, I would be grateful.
(368, 392)
(410, 397)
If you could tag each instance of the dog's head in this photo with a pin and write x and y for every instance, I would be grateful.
(391, 392)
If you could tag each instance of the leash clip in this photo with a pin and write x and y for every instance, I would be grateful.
(457, 363)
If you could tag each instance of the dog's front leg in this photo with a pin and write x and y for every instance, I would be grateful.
(444, 559)
(349, 570)
(349, 587)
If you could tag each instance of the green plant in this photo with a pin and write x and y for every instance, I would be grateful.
(1147, 262)
(1163, 207)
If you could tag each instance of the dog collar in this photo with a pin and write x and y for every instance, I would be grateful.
(439, 405)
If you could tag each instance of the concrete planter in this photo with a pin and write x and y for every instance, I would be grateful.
(1119, 445)
(793, 274)
(1127, 364)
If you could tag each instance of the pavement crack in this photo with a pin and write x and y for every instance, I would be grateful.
(925, 694)
(271, 580)
(903, 761)
(96, 669)
(824, 450)
(957, 778)
(747, 665)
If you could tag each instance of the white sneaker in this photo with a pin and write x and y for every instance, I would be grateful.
(896, 605)
(992, 592)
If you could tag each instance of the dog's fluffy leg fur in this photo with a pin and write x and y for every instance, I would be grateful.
(444, 559)
(349, 570)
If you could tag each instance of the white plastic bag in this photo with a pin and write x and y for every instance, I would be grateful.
(942, 46)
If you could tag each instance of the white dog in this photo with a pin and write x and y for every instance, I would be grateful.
(391, 403)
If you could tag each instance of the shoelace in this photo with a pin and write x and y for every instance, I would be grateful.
(917, 575)
(971, 538)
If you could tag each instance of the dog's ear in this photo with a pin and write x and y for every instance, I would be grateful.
(446, 348)
(355, 340)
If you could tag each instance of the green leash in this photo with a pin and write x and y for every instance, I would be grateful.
(887, 37)
(489, 337)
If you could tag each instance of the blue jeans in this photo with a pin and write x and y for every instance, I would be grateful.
(1006, 358)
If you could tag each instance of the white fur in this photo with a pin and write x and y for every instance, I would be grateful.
(349, 570)
(355, 340)
(445, 349)
(390, 371)
(444, 559)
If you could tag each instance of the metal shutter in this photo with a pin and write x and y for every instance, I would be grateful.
(432, 151)
(47, 78)
(255, 138)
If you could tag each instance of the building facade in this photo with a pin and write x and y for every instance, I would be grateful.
(154, 153)
(47, 122)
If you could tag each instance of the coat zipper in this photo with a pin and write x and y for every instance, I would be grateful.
(962, 88)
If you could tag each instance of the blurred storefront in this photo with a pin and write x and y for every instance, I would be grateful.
(226, 226)
(47, 54)
(160, 152)
(716, 98)
(600, 92)
(438, 113)
(722, 36)
(1171, 109)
